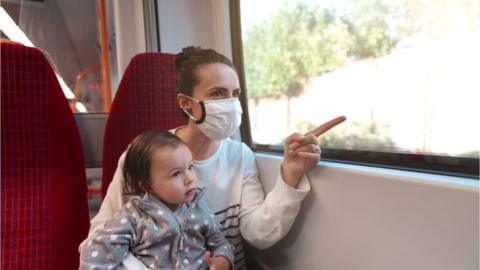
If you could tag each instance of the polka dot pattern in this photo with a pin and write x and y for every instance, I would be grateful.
(156, 229)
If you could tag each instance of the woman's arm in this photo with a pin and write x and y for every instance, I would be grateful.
(114, 199)
(265, 220)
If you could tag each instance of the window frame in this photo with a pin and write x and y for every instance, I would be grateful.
(152, 26)
(467, 167)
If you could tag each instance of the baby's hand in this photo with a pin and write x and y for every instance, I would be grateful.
(216, 263)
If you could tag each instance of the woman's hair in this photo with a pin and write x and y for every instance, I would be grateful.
(187, 63)
(136, 168)
(189, 60)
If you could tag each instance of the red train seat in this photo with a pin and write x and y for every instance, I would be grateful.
(145, 100)
(43, 186)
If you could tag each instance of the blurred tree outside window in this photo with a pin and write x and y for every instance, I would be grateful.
(402, 71)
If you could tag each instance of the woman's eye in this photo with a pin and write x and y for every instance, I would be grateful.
(236, 94)
(217, 94)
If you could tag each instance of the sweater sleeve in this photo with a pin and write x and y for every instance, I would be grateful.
(114, 199)
(265, 220)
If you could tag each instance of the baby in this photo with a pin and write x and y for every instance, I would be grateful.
(170, 226)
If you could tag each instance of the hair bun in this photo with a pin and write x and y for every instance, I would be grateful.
(190, 49)
(184, 55)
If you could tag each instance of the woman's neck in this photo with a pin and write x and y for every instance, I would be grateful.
(201, 146)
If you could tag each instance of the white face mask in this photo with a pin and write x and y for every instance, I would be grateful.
(220, 117)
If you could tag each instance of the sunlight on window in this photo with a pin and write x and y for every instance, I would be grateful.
(14, 33)
(69, 43)
(404, 72)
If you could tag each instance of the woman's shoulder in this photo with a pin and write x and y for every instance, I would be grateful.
(236, 147)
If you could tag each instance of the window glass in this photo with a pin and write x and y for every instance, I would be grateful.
(67, 32)
(404, 72)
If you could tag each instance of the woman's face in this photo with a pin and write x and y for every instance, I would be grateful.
(215, 81)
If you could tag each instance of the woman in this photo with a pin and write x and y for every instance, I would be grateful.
(207, 92)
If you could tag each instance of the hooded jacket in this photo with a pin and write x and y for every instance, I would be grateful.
(158, 237)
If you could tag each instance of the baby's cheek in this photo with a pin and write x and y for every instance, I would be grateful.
(176, 192)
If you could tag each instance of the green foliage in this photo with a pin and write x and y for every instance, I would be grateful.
(293, 45)
(371, 23)
(301, 41)
(474, 154)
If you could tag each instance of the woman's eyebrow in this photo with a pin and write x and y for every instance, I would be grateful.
(217, 88)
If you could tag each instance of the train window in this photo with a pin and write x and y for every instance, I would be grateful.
(404, 72)
(67, 32)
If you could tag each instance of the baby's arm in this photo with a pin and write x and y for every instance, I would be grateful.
(217, 244)
(108, 247)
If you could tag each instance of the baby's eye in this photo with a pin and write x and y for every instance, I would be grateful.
(190, 167)
(176, 174)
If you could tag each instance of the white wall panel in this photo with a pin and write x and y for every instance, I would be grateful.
(365, 218)
(202, 23)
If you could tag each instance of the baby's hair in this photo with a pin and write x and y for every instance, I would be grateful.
(136, 168)
(188, 61)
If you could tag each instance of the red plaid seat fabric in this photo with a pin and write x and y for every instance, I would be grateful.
(145, 100)
(43, 186)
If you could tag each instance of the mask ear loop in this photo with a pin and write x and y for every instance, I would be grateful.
(202, 107)
(204, 113)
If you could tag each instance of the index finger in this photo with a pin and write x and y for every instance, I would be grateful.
(326, 126)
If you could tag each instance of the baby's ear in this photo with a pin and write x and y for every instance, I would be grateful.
(144, 186)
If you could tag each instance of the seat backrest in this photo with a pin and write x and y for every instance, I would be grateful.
(43, 186)
(145, 100)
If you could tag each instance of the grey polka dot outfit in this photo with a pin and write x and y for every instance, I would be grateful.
(158, 237)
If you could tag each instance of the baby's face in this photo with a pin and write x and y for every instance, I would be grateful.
(172, 177)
